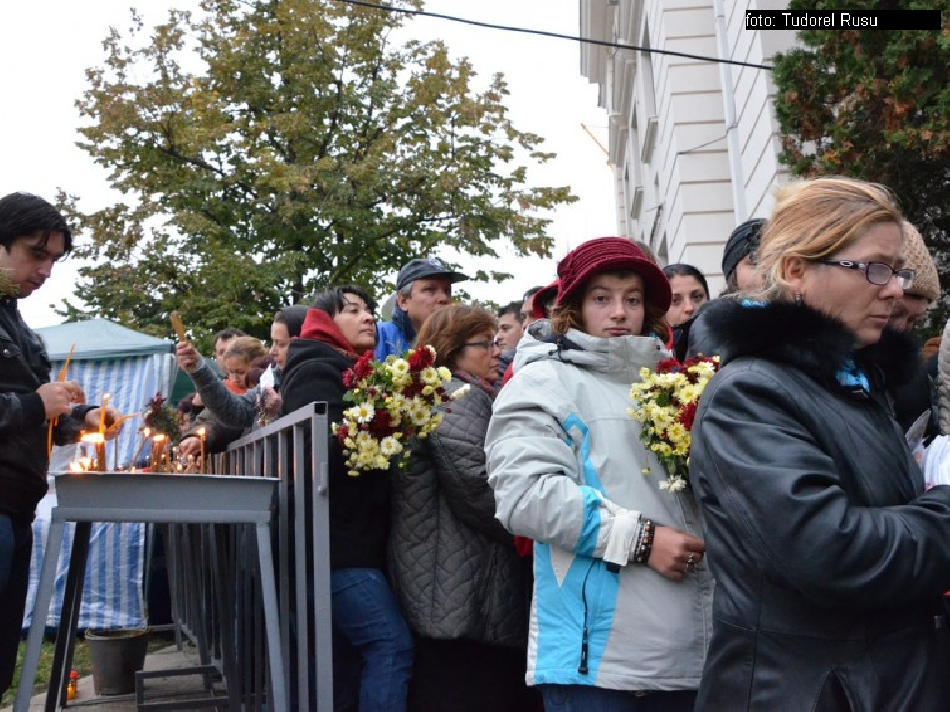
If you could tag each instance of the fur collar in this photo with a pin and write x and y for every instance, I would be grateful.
(807, 339)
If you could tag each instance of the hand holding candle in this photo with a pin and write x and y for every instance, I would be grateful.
(59, 397)
(102, 419)
(54, 418)
(102, 413)
(188, 357)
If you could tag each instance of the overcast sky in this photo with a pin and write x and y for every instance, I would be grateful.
(45, 47)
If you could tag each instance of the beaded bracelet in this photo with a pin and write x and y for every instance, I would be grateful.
(641, 554)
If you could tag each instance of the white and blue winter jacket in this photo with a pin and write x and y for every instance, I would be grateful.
(565, 460)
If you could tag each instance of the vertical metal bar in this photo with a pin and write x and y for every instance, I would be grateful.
(270, 616)
(284, 519)
(260, 639)
(69, 615)
(301, 549)
(172, 563)
(322, 589)
(44, 595)
(193, 573)
(220, 571)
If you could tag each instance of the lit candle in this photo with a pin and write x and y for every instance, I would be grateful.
(158, 451)
(201, 436)
(102, 414)
(98, 441)
(85, 464)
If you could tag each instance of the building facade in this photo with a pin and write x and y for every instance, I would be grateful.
(691, 161)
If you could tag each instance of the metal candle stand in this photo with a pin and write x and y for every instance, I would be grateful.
(157, 498)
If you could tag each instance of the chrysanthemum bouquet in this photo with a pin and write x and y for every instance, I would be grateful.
(394, 402)
(665, 403)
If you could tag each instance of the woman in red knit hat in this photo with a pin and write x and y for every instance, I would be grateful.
(622, 600)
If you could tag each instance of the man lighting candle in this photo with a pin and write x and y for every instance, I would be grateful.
(33, 237)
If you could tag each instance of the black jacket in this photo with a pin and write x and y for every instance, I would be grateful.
(24, 367)
(359, 506)
(829, 558)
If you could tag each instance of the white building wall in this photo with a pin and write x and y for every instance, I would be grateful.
(668, 141)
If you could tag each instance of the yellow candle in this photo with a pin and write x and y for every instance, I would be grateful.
(201, 436)
(102, 413)
(158, 451)
(98, 441)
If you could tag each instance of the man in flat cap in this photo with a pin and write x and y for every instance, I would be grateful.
(422, 286)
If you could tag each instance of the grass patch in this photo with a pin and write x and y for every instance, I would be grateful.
(80, 663)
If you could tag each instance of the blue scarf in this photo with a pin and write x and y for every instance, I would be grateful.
(401, 319)
(850, 376)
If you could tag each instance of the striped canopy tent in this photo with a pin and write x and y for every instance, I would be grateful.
(108, 358)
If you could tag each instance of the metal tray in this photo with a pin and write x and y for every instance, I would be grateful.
(162, 497)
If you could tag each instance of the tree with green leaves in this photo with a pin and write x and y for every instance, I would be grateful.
(875, 105)
(271, 147)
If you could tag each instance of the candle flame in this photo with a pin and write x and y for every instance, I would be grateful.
(93, 438)
(75, 467)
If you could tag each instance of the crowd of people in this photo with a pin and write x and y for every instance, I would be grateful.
(524, 559)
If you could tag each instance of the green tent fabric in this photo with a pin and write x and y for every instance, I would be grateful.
(99, 339)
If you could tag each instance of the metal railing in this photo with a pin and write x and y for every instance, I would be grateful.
(216, 599)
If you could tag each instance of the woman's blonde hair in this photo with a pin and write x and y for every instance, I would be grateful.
(816, 219)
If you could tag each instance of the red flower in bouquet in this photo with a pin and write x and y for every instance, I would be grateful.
(395, 401)
(665, 402)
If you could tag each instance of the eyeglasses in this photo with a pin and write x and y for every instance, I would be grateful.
(483, 344)
(877, 273)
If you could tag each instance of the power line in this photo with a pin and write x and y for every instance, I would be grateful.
(554, 35)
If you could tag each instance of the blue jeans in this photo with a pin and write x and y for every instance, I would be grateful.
(583, 698)
(16, 546)
(365, 612)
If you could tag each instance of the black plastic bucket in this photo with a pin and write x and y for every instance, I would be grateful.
(116, 655)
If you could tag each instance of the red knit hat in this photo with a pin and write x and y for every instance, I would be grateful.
(608, 254)
(540, 297)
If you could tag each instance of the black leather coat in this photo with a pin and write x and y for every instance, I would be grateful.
(829, 558)
(24, 367)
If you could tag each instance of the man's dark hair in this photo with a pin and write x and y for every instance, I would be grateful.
(228, 334)
(28, 215)
(293, 318)
(513, 308)
(330, 300)
(531, 292)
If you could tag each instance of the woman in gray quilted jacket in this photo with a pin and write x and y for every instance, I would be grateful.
(454, 567)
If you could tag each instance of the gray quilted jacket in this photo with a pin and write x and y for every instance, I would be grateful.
(453, 566)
